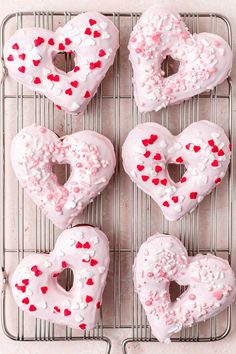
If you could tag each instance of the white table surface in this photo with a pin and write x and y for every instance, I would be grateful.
(226, 346)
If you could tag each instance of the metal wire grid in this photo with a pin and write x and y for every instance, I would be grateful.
(142, 206)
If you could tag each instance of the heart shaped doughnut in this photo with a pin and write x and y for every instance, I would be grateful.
(205, 60)
(202, 147)
(91, 156)
(210, 280)
(83, 249)
(29, 57)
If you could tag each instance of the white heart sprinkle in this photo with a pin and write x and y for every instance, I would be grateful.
(78, 318)
(89, 42)
(42, 305)
(101, 269)
(47, 264)
(72, 242)
(103, 25)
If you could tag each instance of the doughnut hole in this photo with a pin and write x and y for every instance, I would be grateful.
(64, 61)
(176, 171)
(170, 66)
(66, 279)
(62, 172)
(174, 290)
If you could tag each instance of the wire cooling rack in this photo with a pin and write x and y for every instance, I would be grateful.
(125, 214)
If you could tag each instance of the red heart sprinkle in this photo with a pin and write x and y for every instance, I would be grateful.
(155, 181)
(56, 308)
(15, 46)
(221, 152)
(21, 288)
(95, 65)
(183, 179)
(166, 204)
(22, 56)
(175, 199)
(82, 326)
(55, 275)
(36, 62)
(211, 142)
(87, 94)
(140, 167)
(230, 147)
(74, 83)
(50, 77)
(68, 41)
(193, 195)
(88, 299)
(147, 154)
(196, 148)
(145, 142)
(58, 107)
(96, 34)
(158, 168)
(98, 305)
(86, 245)
(37, 80)
(61, 46)
(215, 163)
(51, 41)
(101, 53)
(93, 262)
(92, 22)
(32, 308)
(76, 68)
(63, 264)
(25, 301)
(21, 69)
(217, 180)
(56, 78)
(157, 157)
(89, 281)
(67, 312)
(68, 91)
(188, 146)
(145, 178)
(78, 245)
(215, 149)
(10, 57)
(44, 289)
(164, 182)
(152, 138)
(179, 159)
(38, 41)
(88, 31)
(25, 281)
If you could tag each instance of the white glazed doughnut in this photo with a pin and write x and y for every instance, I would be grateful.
(91, 156)
(202, 147)
(83, 249)
(210, 280)
(30, 52)
(205, 60)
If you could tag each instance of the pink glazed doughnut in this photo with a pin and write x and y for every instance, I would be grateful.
(83, 249)
(210, 280)
(202, 147)
(29, 57)
(205, 60)
(34, 151)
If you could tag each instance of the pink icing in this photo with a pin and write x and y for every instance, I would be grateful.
(37, 292)
(92, 160)
(202, 147)
(30, 52)
(210, 280)
(205, 60)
